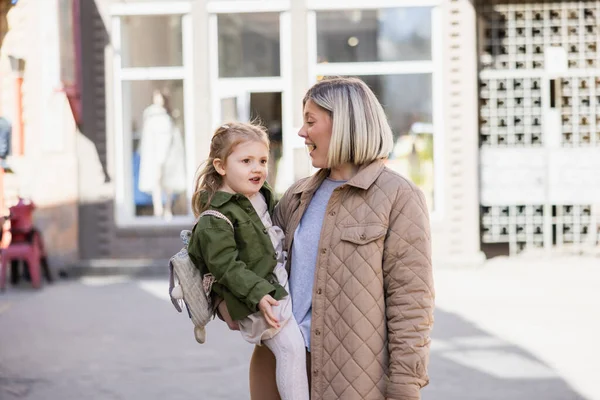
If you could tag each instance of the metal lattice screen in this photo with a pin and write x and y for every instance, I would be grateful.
(517, 94)
(516, 35)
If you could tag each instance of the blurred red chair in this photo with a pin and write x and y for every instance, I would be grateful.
(22, 242)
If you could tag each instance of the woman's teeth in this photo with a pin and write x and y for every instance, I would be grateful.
(311, 147)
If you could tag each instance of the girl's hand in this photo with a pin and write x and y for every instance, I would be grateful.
(265, 306)
(224, 313)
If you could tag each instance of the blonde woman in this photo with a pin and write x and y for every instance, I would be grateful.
(360, 262)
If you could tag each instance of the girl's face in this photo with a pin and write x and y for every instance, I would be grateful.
(316, 132)
(245, 169)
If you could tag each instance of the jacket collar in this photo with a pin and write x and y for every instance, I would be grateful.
(364, 178)
(220, 198)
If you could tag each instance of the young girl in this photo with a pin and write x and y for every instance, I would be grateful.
(246, 258)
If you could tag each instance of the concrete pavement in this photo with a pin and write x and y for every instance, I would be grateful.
(519, 330)
(547, 305)
(112, 341)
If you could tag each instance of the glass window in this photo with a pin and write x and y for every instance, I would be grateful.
(263, 107)
(389, 34)
(248, 45)
(151, 41)
(266, 107)
(411, 120)
(229, 110)
(153, 119)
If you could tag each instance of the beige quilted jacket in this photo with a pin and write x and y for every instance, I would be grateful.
(373, 295)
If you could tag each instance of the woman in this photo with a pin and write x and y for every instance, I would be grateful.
(360, 262)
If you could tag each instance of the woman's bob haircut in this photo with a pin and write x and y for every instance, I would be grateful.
(360, 130)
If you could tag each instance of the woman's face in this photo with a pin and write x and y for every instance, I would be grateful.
(316, 132)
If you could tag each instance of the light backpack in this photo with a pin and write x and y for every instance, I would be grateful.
(192, 289)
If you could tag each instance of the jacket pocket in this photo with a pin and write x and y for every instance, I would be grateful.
(363, 233)
(249, 247)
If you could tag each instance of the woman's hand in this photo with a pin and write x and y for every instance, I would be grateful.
(224, 313)
(265, 306)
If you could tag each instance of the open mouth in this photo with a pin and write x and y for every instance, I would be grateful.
(310, 147)
(255, 180)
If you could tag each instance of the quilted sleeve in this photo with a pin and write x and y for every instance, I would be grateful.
(219, 251)
(408, 284)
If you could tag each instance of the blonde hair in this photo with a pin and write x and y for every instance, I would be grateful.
(360, 130)
(222, 144)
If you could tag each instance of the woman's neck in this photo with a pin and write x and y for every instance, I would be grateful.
(343, 172)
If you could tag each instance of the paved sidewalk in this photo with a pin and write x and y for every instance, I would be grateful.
(548, 306)
(104, 339)
(520, 329)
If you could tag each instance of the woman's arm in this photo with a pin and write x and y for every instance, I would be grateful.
(408, 284)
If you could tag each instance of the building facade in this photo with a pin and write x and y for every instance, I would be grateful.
(33, 98)
(224, 60)
(540, 125)
(206, 62)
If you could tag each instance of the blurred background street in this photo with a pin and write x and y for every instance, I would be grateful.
(520, 329)
(494, 107)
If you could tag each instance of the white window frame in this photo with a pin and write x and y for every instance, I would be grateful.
(145, 8)
(319, 5)
(248, 6)
(433, 66)
(124, 208)
(236, 87)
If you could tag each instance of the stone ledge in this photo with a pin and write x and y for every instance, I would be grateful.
(124, 267)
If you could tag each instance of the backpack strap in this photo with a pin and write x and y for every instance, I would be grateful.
(217, 214)
(209, 279)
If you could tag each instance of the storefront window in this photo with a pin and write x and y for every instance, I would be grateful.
(151, 41)
(248, 45)
(392, 34)
(411, 120)
(399, 41)
(153, 117)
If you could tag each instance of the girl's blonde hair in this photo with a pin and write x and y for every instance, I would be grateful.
(223, 143)
(360, 130)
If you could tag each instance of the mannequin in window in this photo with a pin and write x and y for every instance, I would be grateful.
(162, 156)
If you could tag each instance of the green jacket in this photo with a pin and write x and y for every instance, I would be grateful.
(242, 261)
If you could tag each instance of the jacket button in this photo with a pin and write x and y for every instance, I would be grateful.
(332, 213)
(323, 250)
(275, 256)
(249, 209)
(317, 332)
(319, 291)
(316, 372)
(363, 236)
(265, 231)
